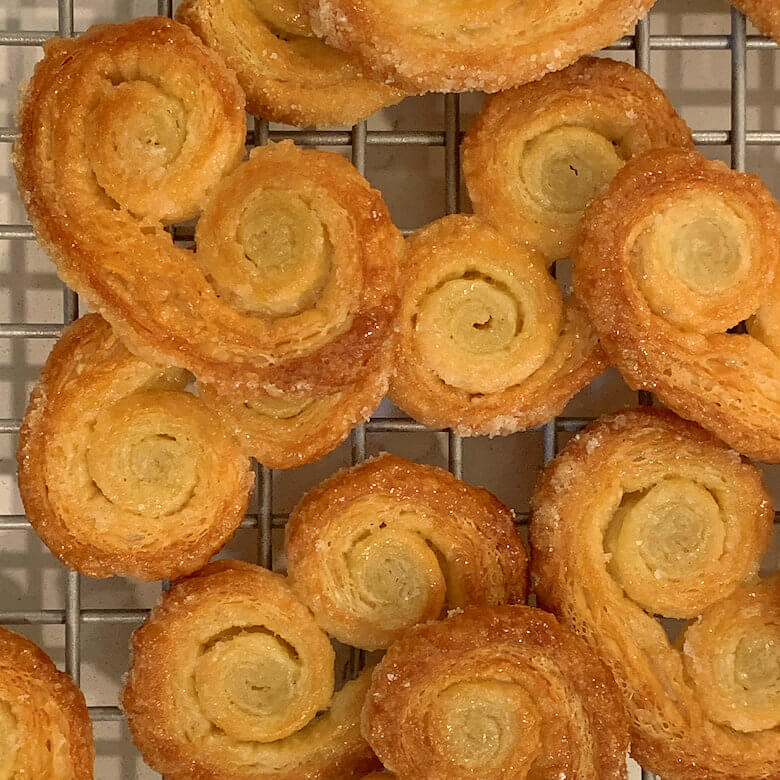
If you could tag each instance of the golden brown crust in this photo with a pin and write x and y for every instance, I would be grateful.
(765, 14)
(227, 676)
(536, 155)
(45, 730)
(646, 513)
(120, 470)
(499, 692)
(288, 74)
(390, 543)
(486, 343)
(151, 89)
(486, 45)
(678, 250)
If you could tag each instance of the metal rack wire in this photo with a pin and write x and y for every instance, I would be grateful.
(265, 519)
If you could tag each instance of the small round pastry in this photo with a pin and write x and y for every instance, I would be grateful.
(647, 514)
(487, 345)
(676, 252)
(495, 692)
(131, 127)
(288, 74)
(227, 678)
(479, 45)
(765, 14)
(120, 470)
(537, 155)
(390, 543)
(45, 730)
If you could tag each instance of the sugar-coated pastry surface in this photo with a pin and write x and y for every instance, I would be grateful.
(765, 14)
(45, 730)
(537, 155)
(227, 678)
(645, 514)
(487, 345)
(120, 470)
(390, 543)
(288, 74)
(495, 692)
(471, 45)
(134, 126)
(672, 258)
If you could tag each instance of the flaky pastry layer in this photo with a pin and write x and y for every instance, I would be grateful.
(646, 514)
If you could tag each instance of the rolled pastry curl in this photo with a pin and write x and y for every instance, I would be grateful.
(390, 543)
(288, 74)
(486, 45)
(120, 470)
(765, 14)
(537, 155)
(487, 344)
(231, 679)
(495, 692)
(45, 730)
(646, 514)
(134, 126)
(677, 251)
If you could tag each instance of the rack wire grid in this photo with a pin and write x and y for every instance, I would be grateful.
(263, 517)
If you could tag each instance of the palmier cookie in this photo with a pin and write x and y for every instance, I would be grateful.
(765, 14)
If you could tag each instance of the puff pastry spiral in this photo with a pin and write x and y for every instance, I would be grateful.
(120, 470)
(45, 731)
(228, 675)
(677, 251)
(642, 514)
(486, 45)
(495, 692)
(134, 126)
(288, 74)
(765, 14)
(487, 345)
(537, 155)
(391, 543)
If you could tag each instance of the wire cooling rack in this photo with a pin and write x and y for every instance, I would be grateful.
(73, 616)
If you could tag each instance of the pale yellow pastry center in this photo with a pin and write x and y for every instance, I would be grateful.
(757, 665)
(279, 408)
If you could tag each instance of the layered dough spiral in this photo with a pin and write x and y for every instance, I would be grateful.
(288, 74)
(134, 126)
(675, 253)
(487, 345)
(390, 543)
(120, 470)
(495, 692)
(765, 14)
(486, 45)
(646, 514)
(45, 731)
(228, 676)
(537, 155)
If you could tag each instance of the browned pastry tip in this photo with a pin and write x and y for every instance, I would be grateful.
(487, 345)
(120, 470)
(765, 14)
(288, 74)
(646, 514)
(672, 257)
(486, 45)
(495, 692)
(231, 679)
(45, 730)
(536, 155)
(390, 543)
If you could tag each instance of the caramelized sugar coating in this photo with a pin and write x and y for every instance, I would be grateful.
(678, 251)
(120, 470)
(495, 692)
(45, 730)
(134, 126)
(645, 514)
(227, 679)
(288, 74)
(487, 345)
(390, 543)
(537, 155)
(765, 14)
(472, 45)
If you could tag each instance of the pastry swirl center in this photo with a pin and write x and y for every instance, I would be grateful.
(283, 408)
(757, 665)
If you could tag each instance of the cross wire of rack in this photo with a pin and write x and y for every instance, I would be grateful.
(641, 43)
